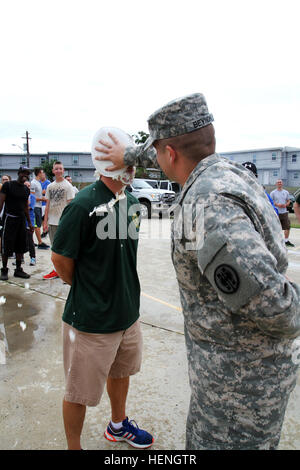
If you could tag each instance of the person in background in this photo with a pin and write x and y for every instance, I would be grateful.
(252, 167)
(14, 239)
(68, 178)
(36, 189)
(30, 242)
(281, 199)
(58, 194)
(45, 183)
(3, 180)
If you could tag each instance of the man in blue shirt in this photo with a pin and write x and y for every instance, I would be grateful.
(30, 242)
(44, 183)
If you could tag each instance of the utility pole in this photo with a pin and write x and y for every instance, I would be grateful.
(27, 146)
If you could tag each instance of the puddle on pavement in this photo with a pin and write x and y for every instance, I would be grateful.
(17, 326)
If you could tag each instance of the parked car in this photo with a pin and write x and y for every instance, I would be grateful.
(291, 205)
(169, 185)
(153, 183)
(165, 184)
(152, 200)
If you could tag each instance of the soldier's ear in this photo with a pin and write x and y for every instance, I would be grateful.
(172, 154)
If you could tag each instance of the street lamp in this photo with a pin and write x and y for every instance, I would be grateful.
(24, 149)
(15, 145)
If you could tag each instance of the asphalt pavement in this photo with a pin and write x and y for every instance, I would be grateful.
(31, 367)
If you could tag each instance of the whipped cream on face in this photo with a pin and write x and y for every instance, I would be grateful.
(124, 175)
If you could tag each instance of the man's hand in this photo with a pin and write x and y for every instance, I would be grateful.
(114, 152)
(31, 228)
(64, 267)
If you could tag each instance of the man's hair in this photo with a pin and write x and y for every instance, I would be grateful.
(194, 145)
(57, 163)
(37, 170)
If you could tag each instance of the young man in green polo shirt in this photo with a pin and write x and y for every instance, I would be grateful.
(94, 251)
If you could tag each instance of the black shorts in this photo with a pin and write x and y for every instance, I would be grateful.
(38, 216)
(285, 221)
(14, 239)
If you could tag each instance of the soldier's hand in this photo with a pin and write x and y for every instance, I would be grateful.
(114, 151)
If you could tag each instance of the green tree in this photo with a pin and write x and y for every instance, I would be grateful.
(47, 167)
(140, 137)
(141, 172)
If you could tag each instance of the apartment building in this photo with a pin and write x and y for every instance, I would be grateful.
(271, 163)
(77, 164)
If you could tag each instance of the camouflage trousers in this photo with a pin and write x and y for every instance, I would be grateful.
(233, 407)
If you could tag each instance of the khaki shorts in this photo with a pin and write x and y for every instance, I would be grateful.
(90, 358)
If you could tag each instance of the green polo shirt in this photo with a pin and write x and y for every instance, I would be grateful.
(105, 292)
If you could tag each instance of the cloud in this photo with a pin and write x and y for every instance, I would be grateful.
(72, 67)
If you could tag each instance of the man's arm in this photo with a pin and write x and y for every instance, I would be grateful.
(2, 200)
(26, 210)
(45, 223)
(244, 273)
(64, 267)
(122, 156)
(38, 199)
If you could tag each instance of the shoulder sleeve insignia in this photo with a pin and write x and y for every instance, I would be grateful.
(226, 279)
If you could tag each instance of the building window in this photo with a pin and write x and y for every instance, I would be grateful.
(75, 159)
(254, 158)
(296, 176)
(275, 173)
(23, 160)
(294, 158)
(274, 155)
(75, 173)
(43, 160)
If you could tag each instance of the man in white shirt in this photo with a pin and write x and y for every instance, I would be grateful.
(58, 195)
(68, 178)
(281, 199)
(36, 189)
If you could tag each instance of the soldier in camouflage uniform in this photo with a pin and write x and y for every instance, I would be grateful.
(241, 313)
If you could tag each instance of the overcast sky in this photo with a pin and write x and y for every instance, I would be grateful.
(71, 67)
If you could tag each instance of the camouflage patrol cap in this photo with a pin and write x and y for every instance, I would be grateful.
(180, 116)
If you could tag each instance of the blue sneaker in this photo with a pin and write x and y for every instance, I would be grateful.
(135, 436)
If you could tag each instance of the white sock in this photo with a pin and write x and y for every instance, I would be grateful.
(286, 240)
(117, 425)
